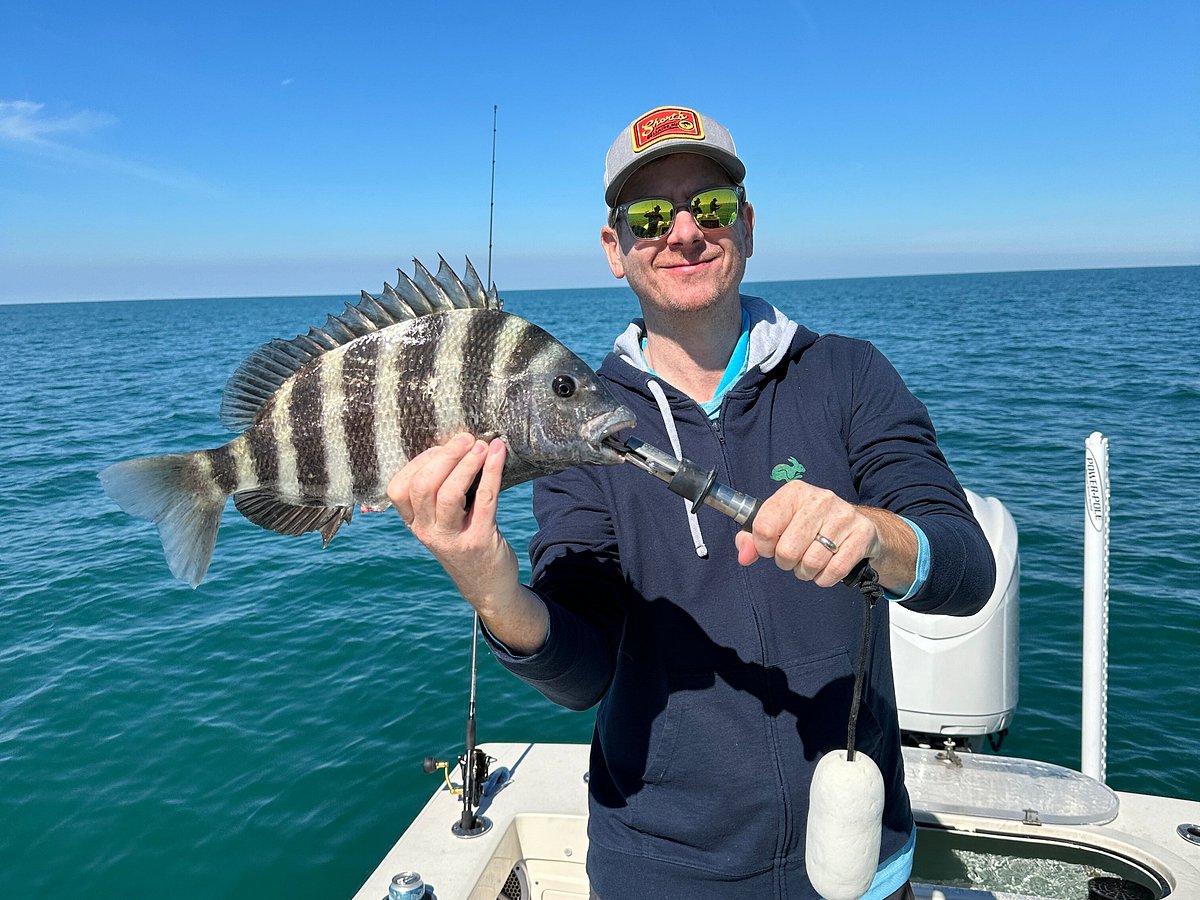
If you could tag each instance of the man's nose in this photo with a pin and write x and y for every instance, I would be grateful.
(684, 229)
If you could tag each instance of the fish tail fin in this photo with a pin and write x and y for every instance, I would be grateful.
(178, 493)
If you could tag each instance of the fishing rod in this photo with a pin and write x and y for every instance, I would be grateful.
(473, 764)
(475, 761)
(492, 200)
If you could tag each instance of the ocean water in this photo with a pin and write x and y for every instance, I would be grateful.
(263, 735)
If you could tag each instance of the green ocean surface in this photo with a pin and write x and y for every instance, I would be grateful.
(263, 735)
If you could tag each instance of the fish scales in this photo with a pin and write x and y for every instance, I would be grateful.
(329, 417)
(488, 346)
(357, 389)
(386, 412)
(305, 414)
(264, 452)
(279, 421)
(223, 463)
(505, 360)
(335, 436)
(340, 462)
(411, 425)
(244, 471)
(475, 341)
(447, 389)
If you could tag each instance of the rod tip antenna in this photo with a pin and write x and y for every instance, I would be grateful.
(492, 197)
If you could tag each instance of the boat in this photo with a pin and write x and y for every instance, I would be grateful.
(989, 827)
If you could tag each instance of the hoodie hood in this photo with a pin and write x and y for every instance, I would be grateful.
(771, 337)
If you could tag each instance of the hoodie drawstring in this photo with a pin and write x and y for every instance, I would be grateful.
(664, 409)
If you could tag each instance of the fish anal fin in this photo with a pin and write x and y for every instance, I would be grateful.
(267, 511)
(330, 528)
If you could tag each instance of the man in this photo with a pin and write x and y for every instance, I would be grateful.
(722, 678)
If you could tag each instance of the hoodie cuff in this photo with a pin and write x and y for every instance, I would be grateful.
(922, 566)
(496, 644)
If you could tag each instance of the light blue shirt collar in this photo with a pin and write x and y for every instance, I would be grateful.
(734, 369)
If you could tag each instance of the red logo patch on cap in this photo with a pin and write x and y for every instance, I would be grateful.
(666, 122)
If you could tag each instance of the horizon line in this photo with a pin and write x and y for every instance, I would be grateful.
(618, 284)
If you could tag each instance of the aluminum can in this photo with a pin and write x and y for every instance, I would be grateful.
(406, 886)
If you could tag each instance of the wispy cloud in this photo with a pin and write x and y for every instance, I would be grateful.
(29, 127)
(22, 121)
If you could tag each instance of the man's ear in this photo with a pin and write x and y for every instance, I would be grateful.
(611, 241)
(748, 222)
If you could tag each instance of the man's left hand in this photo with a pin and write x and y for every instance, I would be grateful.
(789, 521)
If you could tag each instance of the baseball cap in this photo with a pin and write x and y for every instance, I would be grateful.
(663, 130)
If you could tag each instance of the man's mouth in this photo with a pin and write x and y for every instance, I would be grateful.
(687, 264)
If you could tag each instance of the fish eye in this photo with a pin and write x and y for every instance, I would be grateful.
(563, 385)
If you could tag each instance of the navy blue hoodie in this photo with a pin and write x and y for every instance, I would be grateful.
(721, 686)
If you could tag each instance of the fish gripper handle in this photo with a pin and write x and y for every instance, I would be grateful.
(692, 482)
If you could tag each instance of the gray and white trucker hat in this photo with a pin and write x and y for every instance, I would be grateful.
(663, 130)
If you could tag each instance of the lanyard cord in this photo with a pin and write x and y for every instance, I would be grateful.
(871, 591)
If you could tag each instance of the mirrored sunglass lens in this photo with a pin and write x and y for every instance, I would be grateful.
(649, 219)
(716, 208)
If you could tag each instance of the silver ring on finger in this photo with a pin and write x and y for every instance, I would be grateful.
(826, 543)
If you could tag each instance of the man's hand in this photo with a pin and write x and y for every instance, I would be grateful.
(789, 521)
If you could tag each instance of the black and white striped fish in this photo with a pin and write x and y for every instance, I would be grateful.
(328, 418)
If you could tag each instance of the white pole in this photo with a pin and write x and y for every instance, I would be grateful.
(1095, 607)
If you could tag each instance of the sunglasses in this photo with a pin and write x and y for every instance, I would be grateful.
(650, 218)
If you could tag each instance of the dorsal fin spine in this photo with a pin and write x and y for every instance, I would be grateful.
(412, 294)
(451, 284)
(475, 288)
(438, 298)
(371, 308)
(394, 303)
(317, 336)
(357, 321)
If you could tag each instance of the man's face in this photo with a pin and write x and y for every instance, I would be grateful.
(690, 269)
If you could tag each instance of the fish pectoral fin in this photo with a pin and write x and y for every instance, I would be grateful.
(267, 511)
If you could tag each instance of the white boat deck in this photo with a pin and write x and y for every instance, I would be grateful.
(539, 816)
(539, 825)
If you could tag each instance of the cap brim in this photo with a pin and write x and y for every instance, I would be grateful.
(726, 160)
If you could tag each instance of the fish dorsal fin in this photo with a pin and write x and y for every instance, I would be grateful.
(261, 374)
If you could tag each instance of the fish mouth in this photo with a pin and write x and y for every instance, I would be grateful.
(606, 426)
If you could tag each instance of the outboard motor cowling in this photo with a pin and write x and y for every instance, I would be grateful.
(956, 676)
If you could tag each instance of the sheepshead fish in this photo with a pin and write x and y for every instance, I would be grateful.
(327, 418)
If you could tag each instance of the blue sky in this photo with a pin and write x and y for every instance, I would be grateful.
(244, 149)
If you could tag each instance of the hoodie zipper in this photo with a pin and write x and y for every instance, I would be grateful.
(785, 805)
